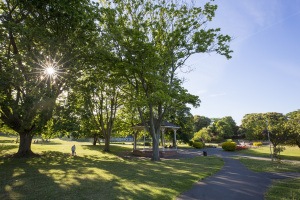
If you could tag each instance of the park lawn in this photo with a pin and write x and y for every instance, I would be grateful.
(290, 152)
(280, 189)
(93, 174)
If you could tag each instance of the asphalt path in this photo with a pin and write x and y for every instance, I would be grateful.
(233, 181)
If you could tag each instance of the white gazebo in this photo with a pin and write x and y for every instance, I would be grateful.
(163, 151)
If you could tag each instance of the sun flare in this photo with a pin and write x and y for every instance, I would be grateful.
(50, 71)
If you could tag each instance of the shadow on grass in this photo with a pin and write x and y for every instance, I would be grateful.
(8, 141)
(58, 174)
(4, 148)
(46, 143)
(114, 149)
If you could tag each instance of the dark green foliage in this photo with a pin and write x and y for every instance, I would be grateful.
(36, 35)
(201, 122)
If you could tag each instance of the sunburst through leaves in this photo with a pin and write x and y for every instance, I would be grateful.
(49, 70)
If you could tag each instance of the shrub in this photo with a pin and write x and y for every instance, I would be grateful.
(229, 146)
(191, 143)
(257, 144)
(198, 145)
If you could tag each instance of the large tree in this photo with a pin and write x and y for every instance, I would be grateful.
(293, 126)
(43, 43)
(100, 89)
(154, 39)
(226, 127)
(272, 126)
(201, 122)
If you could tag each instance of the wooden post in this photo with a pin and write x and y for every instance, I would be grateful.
(175, 130)
(163, 138)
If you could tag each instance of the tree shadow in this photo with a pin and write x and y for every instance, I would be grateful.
(8, 141)
(4, 148)
(57, 174)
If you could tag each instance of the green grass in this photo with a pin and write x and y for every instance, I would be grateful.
(280, 189)
(269, 166)
(290, 153)
(93, 174)
(284, 190)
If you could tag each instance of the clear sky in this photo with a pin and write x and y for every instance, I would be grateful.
(264, 72)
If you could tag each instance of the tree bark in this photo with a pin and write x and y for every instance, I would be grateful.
(25, 145)
(155, 147)
(95, 140)
(106, 144)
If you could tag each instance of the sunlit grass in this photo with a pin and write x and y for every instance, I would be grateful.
(284, 190)
(269, 166)
(94, 174)
(290, 152)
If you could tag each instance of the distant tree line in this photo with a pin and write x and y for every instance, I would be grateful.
(277, 128)
(215, 129)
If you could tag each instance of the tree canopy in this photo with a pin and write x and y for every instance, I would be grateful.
(154, 39)
(42, 46)
(132, 49)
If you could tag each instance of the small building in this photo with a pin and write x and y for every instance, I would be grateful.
(163, 152)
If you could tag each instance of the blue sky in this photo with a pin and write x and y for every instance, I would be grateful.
(264, 72)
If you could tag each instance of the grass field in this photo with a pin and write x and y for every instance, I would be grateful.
(281, 189)
(290, 153)
(93, 174)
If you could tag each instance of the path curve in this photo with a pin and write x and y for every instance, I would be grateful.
(233, 181)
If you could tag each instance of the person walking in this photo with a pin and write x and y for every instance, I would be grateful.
(73, 150)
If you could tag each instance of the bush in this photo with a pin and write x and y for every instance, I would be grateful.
(198, 145)
(229, 146)
(191, 142)
(257, 144)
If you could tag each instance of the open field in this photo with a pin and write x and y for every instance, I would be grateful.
(290, 152)
(93, 174)
(281, 189)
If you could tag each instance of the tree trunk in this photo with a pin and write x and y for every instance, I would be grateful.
(106, 144)
(25, 145)
(155, 147)
(95, 140)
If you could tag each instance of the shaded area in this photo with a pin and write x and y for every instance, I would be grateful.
(4, 148)
(56, 174)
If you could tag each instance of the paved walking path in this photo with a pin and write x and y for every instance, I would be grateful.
(233, 181)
